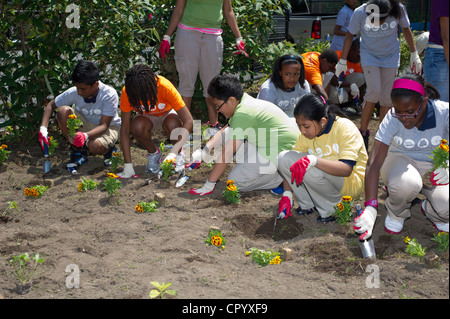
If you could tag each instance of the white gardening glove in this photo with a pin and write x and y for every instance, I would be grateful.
(197, 156)
(206, 189)
(43, 137)
(415, 62)
(128, 171)
(354, 90)
(363, 224)
(439, 176)
(341, 67)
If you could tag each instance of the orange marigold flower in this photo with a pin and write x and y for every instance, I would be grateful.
(230, 182)
(139, 208)
(444, 141)
(340, 206)
(72, 116)
(34, 193)
(216, 240)
(4, 146)
(231, 187)
(27, 192)
(445, 147)
(275, 261)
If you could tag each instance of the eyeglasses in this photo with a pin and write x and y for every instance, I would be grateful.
(409, 116)
(218, 108)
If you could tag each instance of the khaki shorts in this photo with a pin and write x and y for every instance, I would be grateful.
(108, 140)
(379, 82)
(195, 53)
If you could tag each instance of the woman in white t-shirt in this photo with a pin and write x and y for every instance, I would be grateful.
(407, 136)
(286, 84)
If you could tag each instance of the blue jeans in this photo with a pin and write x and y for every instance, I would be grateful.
(435, 70)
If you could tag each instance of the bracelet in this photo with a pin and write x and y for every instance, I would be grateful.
(372, 202)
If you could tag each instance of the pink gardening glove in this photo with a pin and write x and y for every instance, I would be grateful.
(165, 47)
(299, 168)
(285, 203)
(439, 177)
(240, 47)
(79, 139)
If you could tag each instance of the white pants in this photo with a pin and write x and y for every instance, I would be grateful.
(403, 177)
(319, 189)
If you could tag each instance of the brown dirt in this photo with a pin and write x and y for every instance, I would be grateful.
(119, 251)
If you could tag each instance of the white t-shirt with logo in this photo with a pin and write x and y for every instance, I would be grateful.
(107, 102)
(416, 143)
(379, 44)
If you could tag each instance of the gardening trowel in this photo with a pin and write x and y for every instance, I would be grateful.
(46, 163)
(367, 246)
(182, 178)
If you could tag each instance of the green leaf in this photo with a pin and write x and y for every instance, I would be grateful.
(154, 294)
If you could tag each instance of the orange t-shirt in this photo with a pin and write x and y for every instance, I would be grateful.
(168, 98)
(351, 67)
(312, 68)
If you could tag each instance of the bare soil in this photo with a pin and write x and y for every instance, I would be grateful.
(119, 252)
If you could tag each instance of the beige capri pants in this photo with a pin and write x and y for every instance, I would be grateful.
(403, 177)
(197, 52)
(379, 82)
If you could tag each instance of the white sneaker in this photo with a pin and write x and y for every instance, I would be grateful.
(393, 226)
(153, 162)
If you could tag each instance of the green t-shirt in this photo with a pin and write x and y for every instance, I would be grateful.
(203, 13)
(264, 125)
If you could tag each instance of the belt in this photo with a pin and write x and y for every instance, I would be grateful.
(435, 46)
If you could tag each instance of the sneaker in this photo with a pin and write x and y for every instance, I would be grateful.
(277, 190)
(326, 220)
(393, 226)
(439, 226)
(108, 155)
(79, 157)
(153, 162)
(302, 212)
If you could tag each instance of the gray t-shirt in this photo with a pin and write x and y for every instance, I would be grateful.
(106, 103)
(379, 44)
(416, 143)
(286, 101)
(343, 20)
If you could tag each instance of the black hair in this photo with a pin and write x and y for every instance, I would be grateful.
(141, 87)
(390, 7)
(314, 107)
(405, 93)
(330, 56)
(287, 60)
(222, 87)
(85, 72)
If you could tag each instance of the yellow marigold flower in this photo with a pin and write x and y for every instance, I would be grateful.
(247, 253)
(216, 240)
(72, 116)
(275, 261)
(115, 154)
(407, 240)
(444, 141)
(231, 188)
(112, 175)
(27, 192)
(444, 147)
(340, 206)
(80, 187)
(346, 198)
(139, 208)
(4, 146)
(230, 182)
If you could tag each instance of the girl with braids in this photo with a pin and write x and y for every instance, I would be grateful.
(411, 130)
(159, 106)
(377, 22)
(286, 84)
(327, 162)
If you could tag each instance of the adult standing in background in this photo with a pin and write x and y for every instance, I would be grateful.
(199, 45)
(436, 65)
(377, 22)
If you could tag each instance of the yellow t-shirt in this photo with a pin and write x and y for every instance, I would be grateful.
(168, 98)
(342, 142)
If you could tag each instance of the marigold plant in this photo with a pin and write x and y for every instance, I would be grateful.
(52, 146)
(35, 191)
(86, 184)
(115, 160)
(231, 193)
(343, 210)
(414, 248)
(112, 184)
(168, 168)
(215, 238)
(440, 155)
(73, 124)
(4, 153)
(146, 207)
(442, 239)
(264, 257)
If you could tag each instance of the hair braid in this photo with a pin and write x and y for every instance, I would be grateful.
(141, 87)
